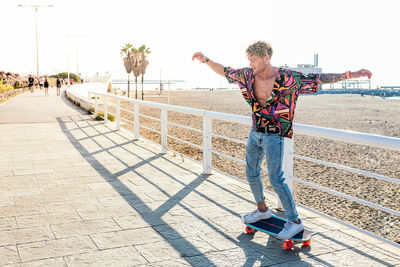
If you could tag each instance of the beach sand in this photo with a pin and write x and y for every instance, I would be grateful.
(348, 112)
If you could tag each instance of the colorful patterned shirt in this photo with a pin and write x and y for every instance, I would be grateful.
(278, 113)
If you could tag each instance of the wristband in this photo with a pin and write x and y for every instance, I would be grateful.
(348, 75)
(207, 59)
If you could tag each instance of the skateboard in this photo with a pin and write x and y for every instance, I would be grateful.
(274, 225)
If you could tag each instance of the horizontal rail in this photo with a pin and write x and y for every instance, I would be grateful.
(193, 111)
(374, 175)
(186, 142)
(230, 139)
(228, 157)
(127, 110)
(123, 119)
(367, 203)
(149, 117)
(386, 142)
(150, 129)
(185, 127)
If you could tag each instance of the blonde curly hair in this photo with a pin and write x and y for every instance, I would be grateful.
(259, 48)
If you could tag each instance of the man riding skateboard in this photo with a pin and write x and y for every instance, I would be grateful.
(272, 94)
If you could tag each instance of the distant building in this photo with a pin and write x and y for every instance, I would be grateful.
(307, 68)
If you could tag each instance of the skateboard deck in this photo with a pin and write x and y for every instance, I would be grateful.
(274, 225)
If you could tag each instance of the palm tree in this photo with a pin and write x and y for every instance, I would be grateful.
(126, 54)
(135, 65)
(143, 52)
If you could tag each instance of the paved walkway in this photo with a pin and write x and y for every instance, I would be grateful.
(76, 192)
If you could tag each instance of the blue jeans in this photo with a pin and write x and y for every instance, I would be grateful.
(270, 145)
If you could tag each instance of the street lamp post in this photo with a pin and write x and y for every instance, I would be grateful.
(75, 36)
(36, 28)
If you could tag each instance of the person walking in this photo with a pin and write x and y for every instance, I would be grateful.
(31, 80)
(58, 86)
(41, 81)
(272, 93)
(46, 86)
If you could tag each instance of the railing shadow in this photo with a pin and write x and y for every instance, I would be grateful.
(254, 252)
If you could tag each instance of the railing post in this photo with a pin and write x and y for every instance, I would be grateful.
(118, 114)
(164, 130)
(288, 167)
(96, 105)
(105, 109)
(207, 143)
(136, 121)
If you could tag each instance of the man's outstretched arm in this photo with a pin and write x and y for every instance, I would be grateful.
(336, 77)
(218, 68)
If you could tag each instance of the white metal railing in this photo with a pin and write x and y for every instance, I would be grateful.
(207, 117)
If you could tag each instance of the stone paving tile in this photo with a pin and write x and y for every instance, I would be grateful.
(19, 210)
(347, 257)
(55, 248)
(81, 228)
(8, 223)
(304, 262)
(47, 219)
(6, 172)
(24, 235)
(32, 171)
(60, 173)
(385, 248)
(229, 223)
(8, 255)
(95, 213)
(174, 262)
(185, 229)
(6, 201)
(53, 262)
(126, 238)
(245, 256)
(124, 256)
(162, 251)
(377, 254)
(137, 221)
(130, 201)
(40, 199)
(337, 240)
(15, 183)
(220, 241)
(20, 192)
(276, 252)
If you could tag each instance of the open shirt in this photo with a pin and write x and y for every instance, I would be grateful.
(278, 113)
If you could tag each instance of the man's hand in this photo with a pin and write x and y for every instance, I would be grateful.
(361, 73)
(199, 56)
(218, 68)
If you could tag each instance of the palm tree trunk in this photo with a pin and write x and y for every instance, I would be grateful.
(128, 85)
(142, 87)
(136, 85)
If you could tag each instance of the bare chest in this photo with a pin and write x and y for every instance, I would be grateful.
(263, 90)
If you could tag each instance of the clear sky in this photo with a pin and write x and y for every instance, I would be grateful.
(347, 35)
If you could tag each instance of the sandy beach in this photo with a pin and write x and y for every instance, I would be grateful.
(348, 112)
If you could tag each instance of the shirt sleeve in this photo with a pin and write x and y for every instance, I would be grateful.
(308, 83)
(238, 76)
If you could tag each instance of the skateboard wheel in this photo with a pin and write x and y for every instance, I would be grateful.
(307, 243)
(288, 245)
(249, 230)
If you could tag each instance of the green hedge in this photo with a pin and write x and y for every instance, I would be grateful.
(64, 75)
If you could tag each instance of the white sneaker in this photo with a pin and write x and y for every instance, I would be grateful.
(257, 215)
(290, 229)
